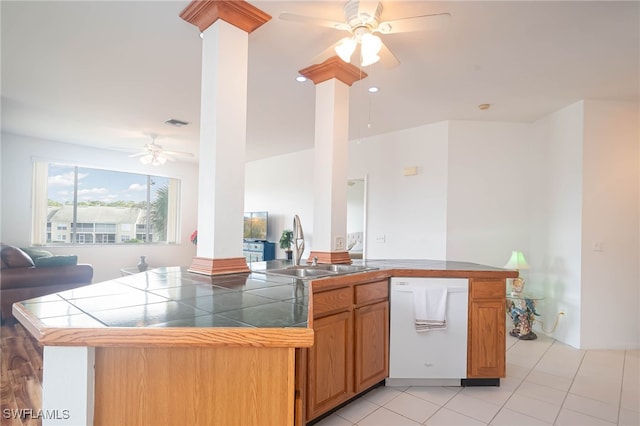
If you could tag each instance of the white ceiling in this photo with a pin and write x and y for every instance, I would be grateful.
(106, 73)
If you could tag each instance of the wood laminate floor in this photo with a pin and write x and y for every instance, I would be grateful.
(21, 383)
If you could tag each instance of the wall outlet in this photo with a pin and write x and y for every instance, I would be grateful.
(380, 238)
(339, 243)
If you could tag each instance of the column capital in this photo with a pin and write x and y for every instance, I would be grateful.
(203, 13)
(334, 67)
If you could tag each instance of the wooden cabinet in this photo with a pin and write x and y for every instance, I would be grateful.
(351, 349)
(486, 332)
(372, 345)
(330, 378)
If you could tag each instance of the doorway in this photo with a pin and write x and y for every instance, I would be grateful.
(356, 217)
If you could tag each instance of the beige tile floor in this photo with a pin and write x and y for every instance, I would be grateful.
(547, 383)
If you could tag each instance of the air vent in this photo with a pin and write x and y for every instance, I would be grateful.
(176, 123)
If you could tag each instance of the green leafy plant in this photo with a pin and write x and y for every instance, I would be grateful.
(286, 239)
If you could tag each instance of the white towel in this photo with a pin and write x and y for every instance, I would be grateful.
(430, 308)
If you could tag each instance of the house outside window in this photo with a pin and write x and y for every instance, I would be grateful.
(94, 206)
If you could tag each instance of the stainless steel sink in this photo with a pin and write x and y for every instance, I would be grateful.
(342, 269)
(316, 271)
(300, 272)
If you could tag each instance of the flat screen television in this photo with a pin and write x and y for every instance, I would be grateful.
(255, 226)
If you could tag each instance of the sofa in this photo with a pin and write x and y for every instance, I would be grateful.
(28, 273)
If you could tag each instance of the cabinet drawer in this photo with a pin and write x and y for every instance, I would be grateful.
(366, 293)
(332, 301)
(487, 289)
(253, 246)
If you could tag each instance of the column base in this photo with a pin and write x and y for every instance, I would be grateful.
(332, 257)
(210, 267)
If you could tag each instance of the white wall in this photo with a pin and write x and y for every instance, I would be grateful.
(488, 197)
(408, 213)
(17, 155)
(586, 237)
(610, 211)
(559, 220)
(413, 226)
(283, 186)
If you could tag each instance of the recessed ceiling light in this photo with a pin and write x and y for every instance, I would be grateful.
(484, 106)
(301, 78)
(373, 89)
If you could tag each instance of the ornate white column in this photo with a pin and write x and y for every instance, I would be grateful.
(332, 78)
(223, 129)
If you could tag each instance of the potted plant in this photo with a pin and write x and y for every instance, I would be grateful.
(285, 242)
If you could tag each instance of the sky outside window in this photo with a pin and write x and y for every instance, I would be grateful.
(103, 186)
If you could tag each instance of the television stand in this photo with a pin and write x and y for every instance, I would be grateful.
(258, 251)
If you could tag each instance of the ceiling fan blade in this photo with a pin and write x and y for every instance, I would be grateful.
(138, 154)
(437, 21)
(286, 16)
(368, 9)
(177, 153)
(325, 54)
(387, 58)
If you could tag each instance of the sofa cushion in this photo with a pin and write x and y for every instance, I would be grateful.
(13, 257)
(58, 260)
(36, 253)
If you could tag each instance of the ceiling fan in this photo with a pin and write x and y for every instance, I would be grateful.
(363, 20)
(155, 155)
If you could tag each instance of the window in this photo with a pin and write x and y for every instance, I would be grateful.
(93, 206)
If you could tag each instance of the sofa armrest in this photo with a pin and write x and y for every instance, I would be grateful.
(42, 277)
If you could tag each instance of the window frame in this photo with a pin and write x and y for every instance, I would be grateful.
(43, 229)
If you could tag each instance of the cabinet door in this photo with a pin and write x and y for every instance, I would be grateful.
(372, 345)
(330, 364)
(486, 336)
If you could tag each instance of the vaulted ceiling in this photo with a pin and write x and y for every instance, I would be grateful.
(108, 73)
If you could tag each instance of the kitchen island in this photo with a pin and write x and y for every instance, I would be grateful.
(171, 347)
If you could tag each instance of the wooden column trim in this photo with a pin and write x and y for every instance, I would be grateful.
(203, 13)
(334, 67)
(331, 257)
(210, 267)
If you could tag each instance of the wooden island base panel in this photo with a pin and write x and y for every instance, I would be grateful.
(204, 350)
(177, 386)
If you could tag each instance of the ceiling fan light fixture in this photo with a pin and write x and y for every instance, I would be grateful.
(146, 159)
(371, 45)
(154, 158)
(369, 59)
(159, 160)
(345, 48)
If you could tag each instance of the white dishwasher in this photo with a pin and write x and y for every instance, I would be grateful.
(427, 358)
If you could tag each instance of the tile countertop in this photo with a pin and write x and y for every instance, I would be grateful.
(172, 300)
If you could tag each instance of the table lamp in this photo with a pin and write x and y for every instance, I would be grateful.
(517, 262)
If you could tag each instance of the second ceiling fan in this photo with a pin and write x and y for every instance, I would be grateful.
(363, 21)
(155, 155)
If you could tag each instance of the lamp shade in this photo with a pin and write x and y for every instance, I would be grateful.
(345, 48)
(517, 261)
(371, 45)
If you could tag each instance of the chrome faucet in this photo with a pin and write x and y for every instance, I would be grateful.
(298, 240)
